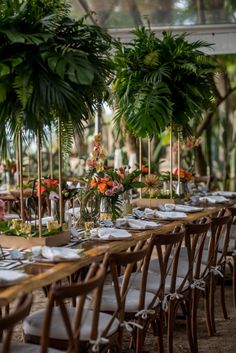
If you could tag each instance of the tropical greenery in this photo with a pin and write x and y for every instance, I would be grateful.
(161, 80)
(50, 66)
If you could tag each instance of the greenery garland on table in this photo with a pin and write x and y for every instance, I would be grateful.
(159, 81)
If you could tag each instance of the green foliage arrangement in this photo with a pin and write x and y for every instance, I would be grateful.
(159, 81)
(50, 66)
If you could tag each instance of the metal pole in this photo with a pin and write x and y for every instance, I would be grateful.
(60, 173)
(17, 160)
(178, 188)
(140, 164)
(50, 156)
(22, 215)
(149, 156)
(39, 152)
(171, 161)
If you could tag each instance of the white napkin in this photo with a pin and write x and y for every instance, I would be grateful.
(57, 254)
(225, 193)
(113, 234)
(45, 220)
(214, 199)
(135, 223)
(171, 215)
(149, 213)
(182, 208)
(8, 277)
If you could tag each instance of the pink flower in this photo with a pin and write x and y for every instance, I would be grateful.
(53, 196)
(110, 193)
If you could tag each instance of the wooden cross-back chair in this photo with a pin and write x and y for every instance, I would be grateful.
(231, 251)
(7, 324)
(74, 329)
(190, 268)
(119, 298)
(161, 287)
(220, 234)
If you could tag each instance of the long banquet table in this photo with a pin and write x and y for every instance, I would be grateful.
(94, 250)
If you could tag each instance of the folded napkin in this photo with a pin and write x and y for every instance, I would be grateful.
(135, 223)
(229, 194)
(181, 208)
(113, 234)
(171, 215)
(149, 213)
(57, 254)
(213, 199)
(45, 220)
(9, 277)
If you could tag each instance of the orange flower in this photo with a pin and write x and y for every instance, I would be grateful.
(144, 169)
(43, 189)
(104, 180)
(110, 183)
(51, 183)
(102, 188)
(188, 175)
(181, 172)
(93, 183)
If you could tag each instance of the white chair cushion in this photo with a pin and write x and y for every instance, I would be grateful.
(32, 325)
(153, 282)
(28, 348)
(182, 264)
(109, 302)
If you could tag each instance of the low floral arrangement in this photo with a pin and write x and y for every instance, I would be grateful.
(185, 175)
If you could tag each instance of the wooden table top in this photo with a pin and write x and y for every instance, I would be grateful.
(94, 250)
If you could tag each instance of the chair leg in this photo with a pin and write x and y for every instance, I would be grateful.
(159, 323)
(207, 310)
(189, 325)
(195, 301)
(234, 280)
(212, 302)
(170, 326)
(222, 296)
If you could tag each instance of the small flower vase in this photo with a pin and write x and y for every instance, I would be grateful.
(127, 205)
(105, 209)
(53, 209)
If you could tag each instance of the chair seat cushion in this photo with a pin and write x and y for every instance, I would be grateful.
(109, 302)
(28, 348)
(153, 282)
(32, 325)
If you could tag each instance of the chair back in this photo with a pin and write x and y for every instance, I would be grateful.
(86, 291)
(220, 232)
(167, 247)
(131, 261)
(195, 239)
(8, 322)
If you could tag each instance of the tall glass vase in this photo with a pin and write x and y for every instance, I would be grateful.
(105, 209)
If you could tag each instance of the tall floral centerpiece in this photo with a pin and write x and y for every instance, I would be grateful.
(110, 185)
(161, 83)
(53, 69)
